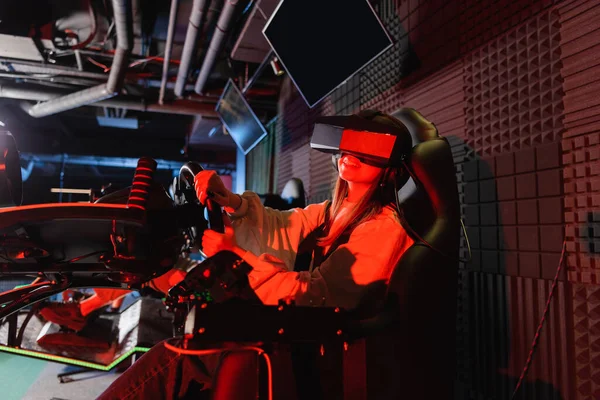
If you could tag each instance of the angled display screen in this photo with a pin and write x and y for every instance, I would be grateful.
(321, 44)
(243, 125)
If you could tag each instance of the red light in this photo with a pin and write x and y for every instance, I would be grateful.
(206, 273)
(363, 142)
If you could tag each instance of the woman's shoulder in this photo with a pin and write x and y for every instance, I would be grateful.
(385, 222)
(321, 205)
(316, 210)
(390, 215)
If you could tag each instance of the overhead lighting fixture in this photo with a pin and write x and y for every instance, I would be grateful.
(70, 191)
(276, 65)
(2, 123)
(123, 123)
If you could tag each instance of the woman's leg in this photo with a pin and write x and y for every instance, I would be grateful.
(236, 377)
(164, 374)
(101, 298)
(75, 315)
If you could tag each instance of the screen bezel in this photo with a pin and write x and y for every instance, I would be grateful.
(231, 83)
(391, 44)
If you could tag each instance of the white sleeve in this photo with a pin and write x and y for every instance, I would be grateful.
(367, 259)
(263, 230)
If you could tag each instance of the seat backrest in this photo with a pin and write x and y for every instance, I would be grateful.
(409, 353)
(293, 193)
(292, 196)
(415, 356)
(431, 205)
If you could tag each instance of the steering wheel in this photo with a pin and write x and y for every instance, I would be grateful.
(186, 188)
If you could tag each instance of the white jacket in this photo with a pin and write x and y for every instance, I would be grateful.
(369, 256)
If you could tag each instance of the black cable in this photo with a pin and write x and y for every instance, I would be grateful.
(28, 317)
(79, 258)
(536, 337)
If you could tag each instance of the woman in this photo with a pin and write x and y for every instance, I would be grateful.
(361, 243)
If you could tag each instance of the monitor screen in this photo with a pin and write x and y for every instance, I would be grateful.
(243, 125)
(321, 44)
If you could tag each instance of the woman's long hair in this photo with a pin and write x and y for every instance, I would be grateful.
(380, 194)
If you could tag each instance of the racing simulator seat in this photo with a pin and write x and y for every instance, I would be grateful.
(410, 345)
(406, 349)
(291, 196)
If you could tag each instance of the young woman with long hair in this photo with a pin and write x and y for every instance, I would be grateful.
(360, 240)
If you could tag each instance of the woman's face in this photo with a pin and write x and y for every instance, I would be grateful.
(351, 169)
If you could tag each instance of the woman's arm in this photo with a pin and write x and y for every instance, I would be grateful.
(259, 229)
(263, 230)
(368, 257)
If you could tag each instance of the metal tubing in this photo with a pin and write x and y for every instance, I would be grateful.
(189, 46)
(216, 43)
(180, 107)
(30, 67)
(169, 46)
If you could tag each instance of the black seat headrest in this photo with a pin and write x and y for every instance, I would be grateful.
(433, 199)
(293, 193)
(420, 129)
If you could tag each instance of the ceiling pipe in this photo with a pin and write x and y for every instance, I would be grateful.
(179, 107)
(169, 46)
(136, 18)
(224, 24)
(189, 46)
(121, 11)
(22, 92)
(24, 66)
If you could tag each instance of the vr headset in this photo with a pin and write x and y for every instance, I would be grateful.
(373, 143)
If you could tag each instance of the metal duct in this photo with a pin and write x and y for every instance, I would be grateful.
(191, 37)
(28, 67)
(180, 107)
(23, 92)
(216, 43)
(169, 45)
(121, 8)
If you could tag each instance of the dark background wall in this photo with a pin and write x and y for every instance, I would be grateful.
(514, 86)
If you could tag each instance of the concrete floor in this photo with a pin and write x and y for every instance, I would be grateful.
(23, 378)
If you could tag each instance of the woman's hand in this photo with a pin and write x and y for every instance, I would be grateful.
(213, 242)
(209, 185)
